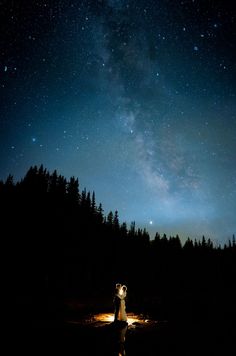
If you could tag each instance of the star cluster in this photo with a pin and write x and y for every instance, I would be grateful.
(136, 98)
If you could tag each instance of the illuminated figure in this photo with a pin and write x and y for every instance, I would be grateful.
(122, 312)
(119, 301)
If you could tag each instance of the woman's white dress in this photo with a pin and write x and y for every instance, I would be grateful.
(122, 316)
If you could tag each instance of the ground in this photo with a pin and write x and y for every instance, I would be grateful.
(87, 330)
(97, 334)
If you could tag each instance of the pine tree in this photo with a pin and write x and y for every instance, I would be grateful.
(100, 213)
(116, 221)
(110, 219)
(93, 203)
(73, 190)
(131, 232)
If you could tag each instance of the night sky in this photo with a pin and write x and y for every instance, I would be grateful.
(135, 98)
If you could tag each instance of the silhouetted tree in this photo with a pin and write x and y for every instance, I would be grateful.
(93, 203)
(73, 190)
(110, 219)
(116, 220)
(188, 244)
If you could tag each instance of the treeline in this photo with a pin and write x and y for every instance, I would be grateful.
(58, 243)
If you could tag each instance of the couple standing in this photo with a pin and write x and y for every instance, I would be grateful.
(119, 301)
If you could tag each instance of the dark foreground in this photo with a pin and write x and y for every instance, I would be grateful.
(189, 334)
(162, 338)
(203, 338)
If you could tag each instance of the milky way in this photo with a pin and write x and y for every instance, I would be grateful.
(135, 98)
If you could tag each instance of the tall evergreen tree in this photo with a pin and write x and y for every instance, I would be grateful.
(73, 189)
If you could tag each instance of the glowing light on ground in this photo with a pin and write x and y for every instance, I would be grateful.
(109, 318)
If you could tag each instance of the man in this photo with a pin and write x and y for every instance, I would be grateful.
(117, 300)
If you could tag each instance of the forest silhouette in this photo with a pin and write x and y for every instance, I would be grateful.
(59, 246)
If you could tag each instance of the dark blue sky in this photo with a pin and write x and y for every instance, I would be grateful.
(135, 98)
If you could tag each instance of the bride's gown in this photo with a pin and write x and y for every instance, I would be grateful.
(122, 316)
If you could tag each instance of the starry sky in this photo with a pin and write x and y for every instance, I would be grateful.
(136, 98)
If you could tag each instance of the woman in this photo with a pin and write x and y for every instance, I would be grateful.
(122, 310)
